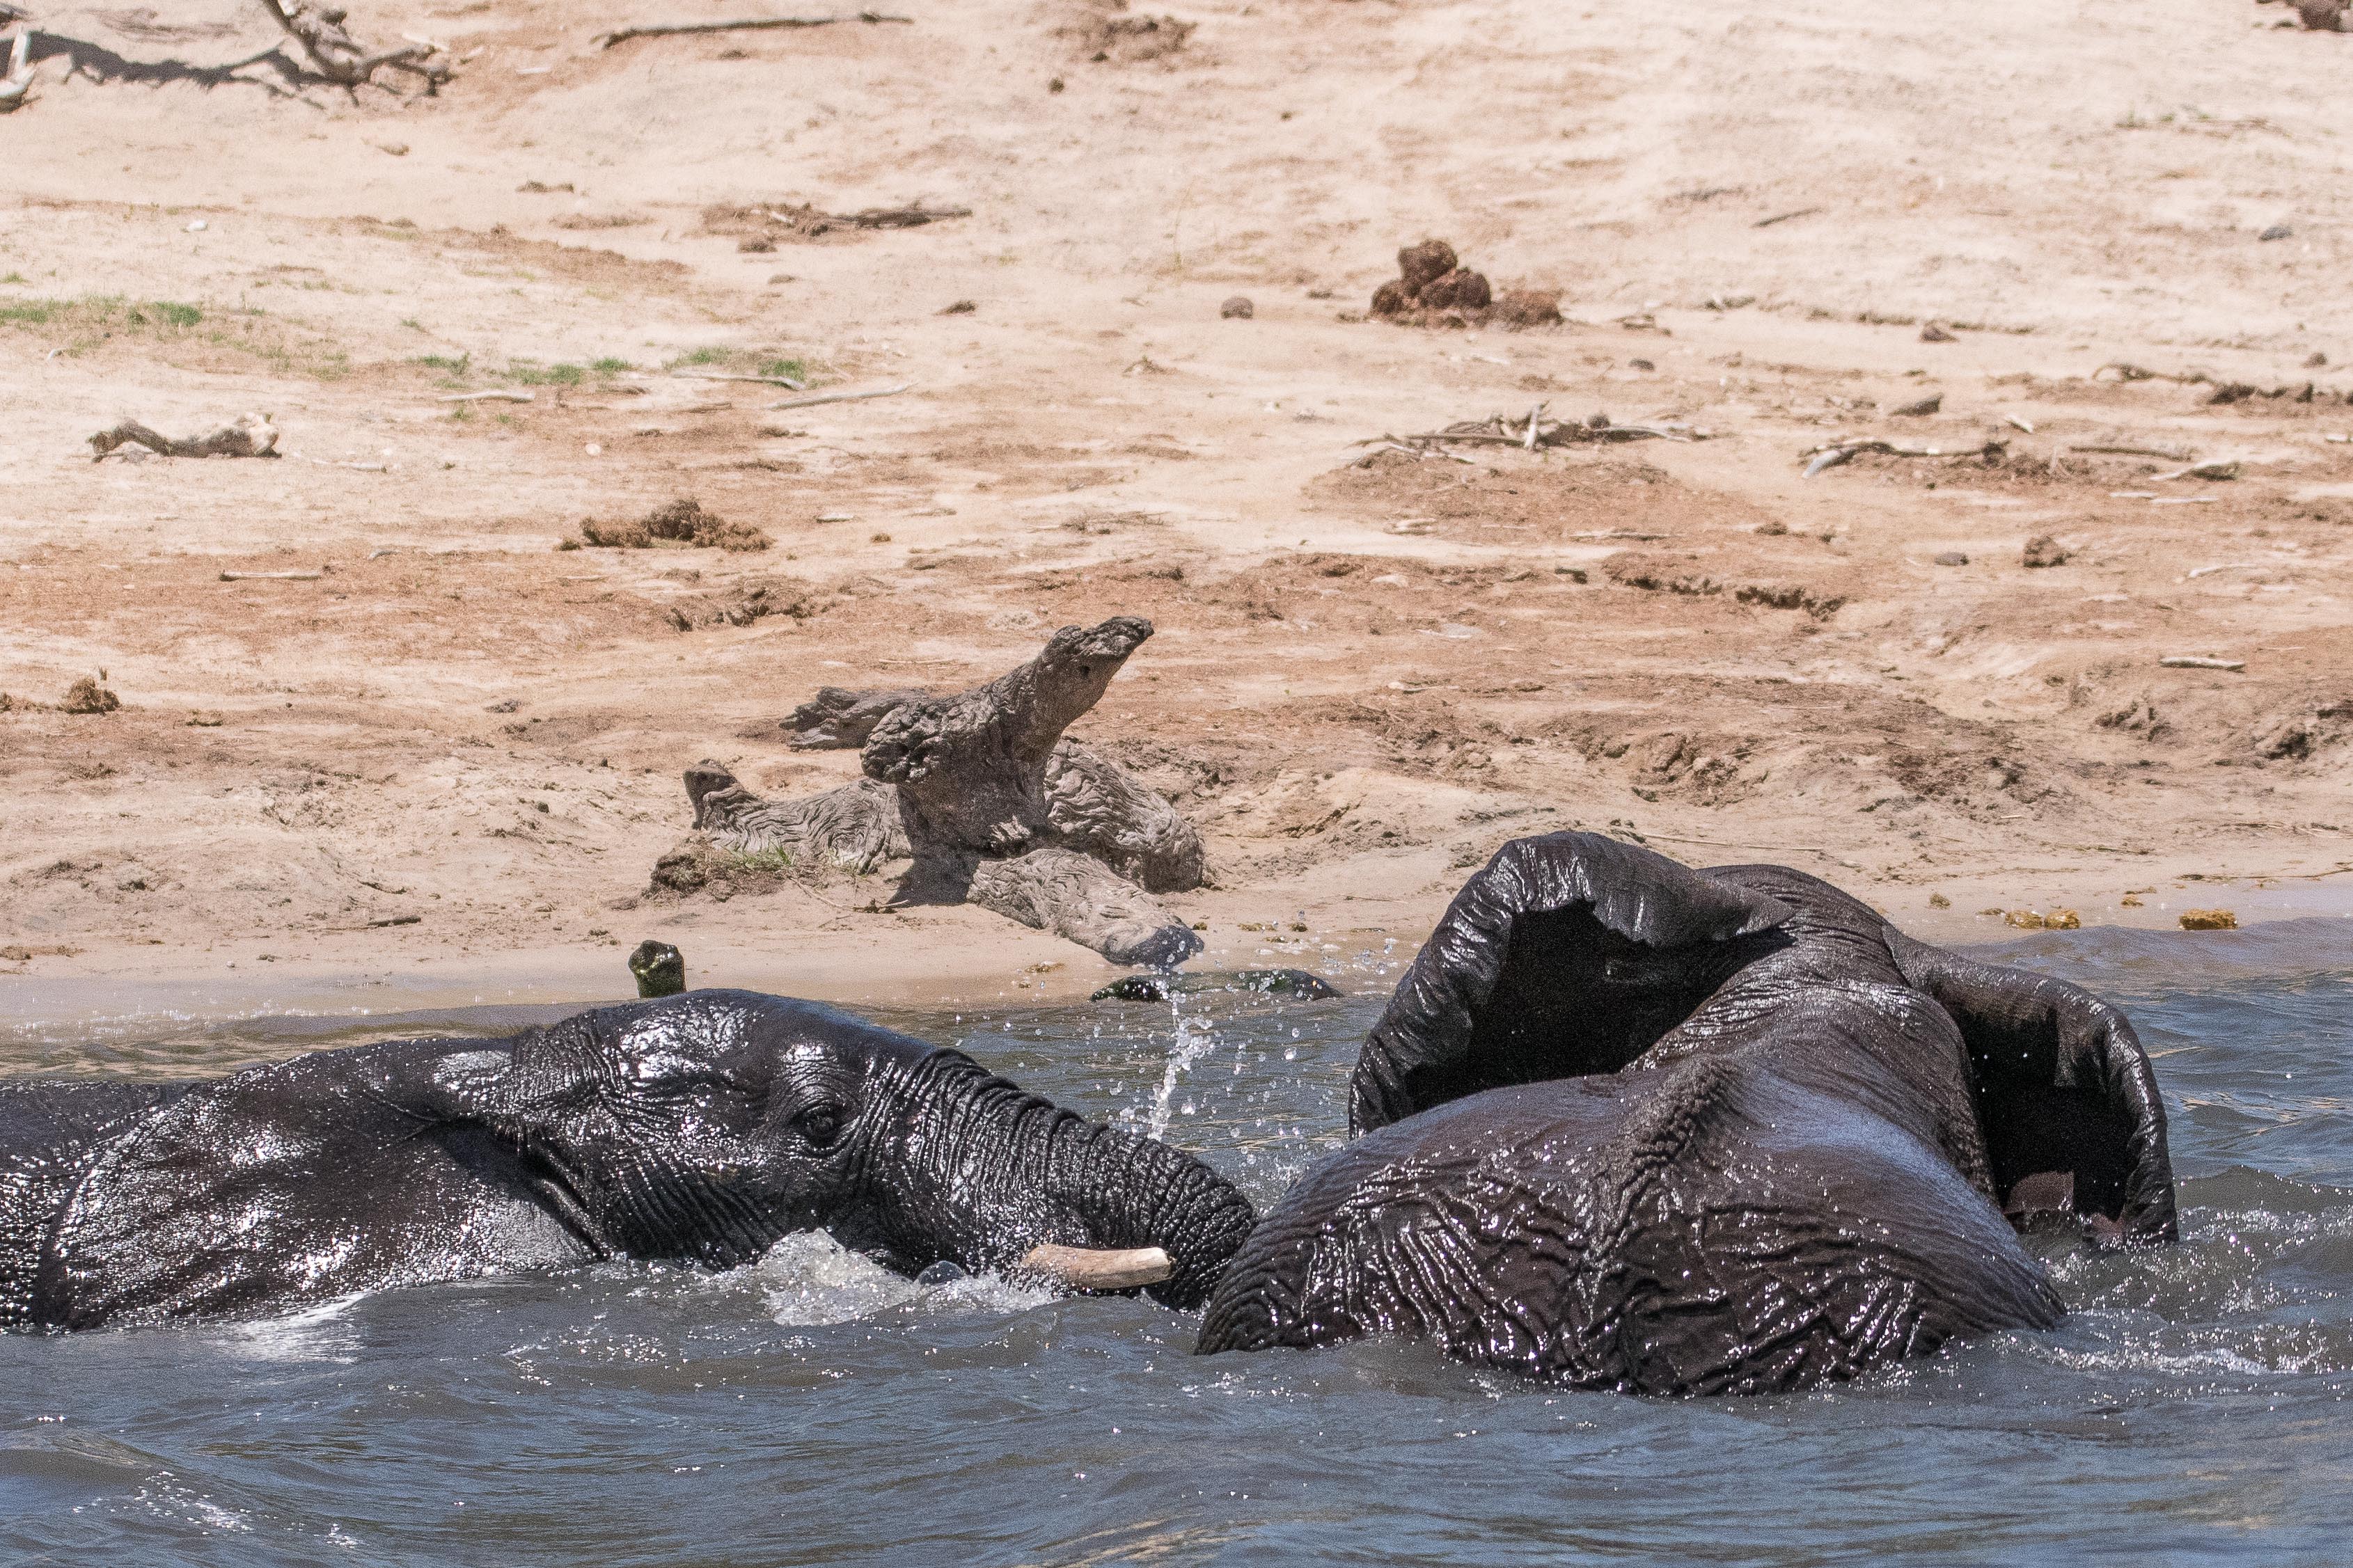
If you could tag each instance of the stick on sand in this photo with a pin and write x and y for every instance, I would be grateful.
(750, 23)
(817, 397)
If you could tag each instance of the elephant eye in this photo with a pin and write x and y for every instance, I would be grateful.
(819, 1125)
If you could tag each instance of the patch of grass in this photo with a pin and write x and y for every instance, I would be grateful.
(760, 362)
(461, 413)
(412, 323)
(444, 363)
(95, 319)
(13, 277)
(777, 861)
(525, 373)
(609, 366)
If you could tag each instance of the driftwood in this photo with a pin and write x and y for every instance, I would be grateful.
(1532, 430)
(752, 23)
(343, 59)
(251, 437)
(784, 380)
(19, 79)
(1839, 452)
(837, 719)
(916, 216)
(813, 399)
(988, 803)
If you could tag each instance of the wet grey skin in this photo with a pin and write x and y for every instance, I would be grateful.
(699, 1128)
(1627, 1125)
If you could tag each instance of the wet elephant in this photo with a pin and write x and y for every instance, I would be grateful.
(1627, 1125)
(700, 1128)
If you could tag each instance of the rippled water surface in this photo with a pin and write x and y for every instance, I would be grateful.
(812, 1409)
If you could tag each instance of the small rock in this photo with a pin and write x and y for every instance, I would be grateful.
(1054, 84)
(1933, 333)
(1952, 558)
(960, 308)
(2316, 361)
(2043, 550)
(660, 969)
(2209, 920)
(1135, 988)
(1939, 901)
(2321, 15)
(1921, 409)
(2277, 231)
(503, 705)
(1640, 365)
(1237, 309)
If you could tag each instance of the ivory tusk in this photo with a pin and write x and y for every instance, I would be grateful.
(1098, 1269)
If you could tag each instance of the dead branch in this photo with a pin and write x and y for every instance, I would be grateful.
(1839, 452)
(343, 59)
(815, 398)
(753, 24)
(251, 437)
(2170, 454)
(916, 216)
(503, 396)
(1532, 430)
(785, 381)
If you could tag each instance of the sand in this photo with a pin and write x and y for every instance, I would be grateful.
(1372, 667)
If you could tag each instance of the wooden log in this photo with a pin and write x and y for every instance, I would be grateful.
(251, 437)
(972, 767)
(1081, 900)
(854, 828)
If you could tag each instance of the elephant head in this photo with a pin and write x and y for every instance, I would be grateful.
(706, 1126)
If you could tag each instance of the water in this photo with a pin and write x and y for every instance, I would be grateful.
(812, 1409)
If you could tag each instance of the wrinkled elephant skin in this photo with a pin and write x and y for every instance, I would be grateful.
(1627, 1125)
(699, 1128)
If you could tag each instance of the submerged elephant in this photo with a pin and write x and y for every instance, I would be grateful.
(1627, 1125)
(700, 1128)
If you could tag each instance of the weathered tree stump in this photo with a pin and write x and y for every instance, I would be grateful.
(989, 803)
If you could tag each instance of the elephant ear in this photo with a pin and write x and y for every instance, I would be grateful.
(2065, 1094)
(1568, 954)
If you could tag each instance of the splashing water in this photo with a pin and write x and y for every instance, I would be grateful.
(2190, 1410)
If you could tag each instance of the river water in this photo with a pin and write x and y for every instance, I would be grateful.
(2194, 1408)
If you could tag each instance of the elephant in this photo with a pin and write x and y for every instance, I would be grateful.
(1627, 1125)
(698, 1128)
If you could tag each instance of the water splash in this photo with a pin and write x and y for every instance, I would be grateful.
(1196, 1039)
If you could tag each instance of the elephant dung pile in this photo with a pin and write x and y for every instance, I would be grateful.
(681, 522)
(1433, 289)
(982, 796)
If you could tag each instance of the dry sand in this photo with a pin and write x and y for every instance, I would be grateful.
(1370, 670)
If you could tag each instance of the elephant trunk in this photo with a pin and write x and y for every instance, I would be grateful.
(1044, 1193)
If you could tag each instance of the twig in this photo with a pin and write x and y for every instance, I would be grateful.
(342, 59)
(815, 398)
(754, 24)
(1784, 218)
(2199, 661)
(1839, 452)
(2224, 469)
(500, 396)
(717, 375)
(916, 216)
(2170, 454)
(269, 577)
